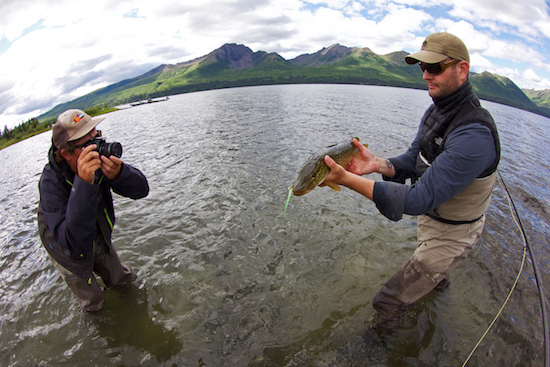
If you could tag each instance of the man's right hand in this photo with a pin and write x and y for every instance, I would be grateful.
(88, 163)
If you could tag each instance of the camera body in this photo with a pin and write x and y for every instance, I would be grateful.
(106, 149)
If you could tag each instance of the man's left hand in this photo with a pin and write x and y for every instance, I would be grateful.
(111, 167)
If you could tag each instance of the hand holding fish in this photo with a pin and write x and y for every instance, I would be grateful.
(363, 162)
(336, 174)
(315, 170)
(340, 176)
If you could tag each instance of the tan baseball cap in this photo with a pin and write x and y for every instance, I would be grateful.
(72, 125)
(438, 47)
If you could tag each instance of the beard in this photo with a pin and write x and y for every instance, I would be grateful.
(442, 88)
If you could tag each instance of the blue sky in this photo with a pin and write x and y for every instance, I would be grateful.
(53, 51)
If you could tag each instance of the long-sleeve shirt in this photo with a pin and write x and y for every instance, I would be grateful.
(469, 150)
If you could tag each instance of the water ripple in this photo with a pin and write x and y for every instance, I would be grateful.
(225, 278)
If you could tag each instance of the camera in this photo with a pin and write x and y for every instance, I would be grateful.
(106, 149)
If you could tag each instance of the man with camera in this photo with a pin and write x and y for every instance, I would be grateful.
(76, 214)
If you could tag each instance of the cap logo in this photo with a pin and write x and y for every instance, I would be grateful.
(78, 118)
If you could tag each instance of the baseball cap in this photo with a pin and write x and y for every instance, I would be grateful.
(72, 125)
(438, 47)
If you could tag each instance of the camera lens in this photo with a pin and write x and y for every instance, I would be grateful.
(107, 149)
(112, 149)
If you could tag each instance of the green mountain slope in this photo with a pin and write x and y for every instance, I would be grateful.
(500, 89)
(539, 97)
(235, 65)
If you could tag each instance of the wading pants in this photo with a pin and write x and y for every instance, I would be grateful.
(90, 297)
(441, 248)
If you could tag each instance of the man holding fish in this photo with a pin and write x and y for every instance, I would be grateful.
(452, 165)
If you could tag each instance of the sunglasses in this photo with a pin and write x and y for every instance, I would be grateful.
(87, 142)
(436, 69)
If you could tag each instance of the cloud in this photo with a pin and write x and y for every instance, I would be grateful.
(531, 80)
(7, 98)
(57, 50)
(528, 17)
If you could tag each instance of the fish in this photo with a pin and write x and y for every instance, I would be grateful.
(315, 170)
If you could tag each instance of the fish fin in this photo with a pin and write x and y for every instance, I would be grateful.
(365, 145)
(333, 186)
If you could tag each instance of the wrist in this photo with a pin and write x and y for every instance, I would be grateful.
(360, 184)
(386, 167)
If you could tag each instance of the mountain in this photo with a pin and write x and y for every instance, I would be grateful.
(500, 89)
(324, 56)
(540, 97)
(235, 65)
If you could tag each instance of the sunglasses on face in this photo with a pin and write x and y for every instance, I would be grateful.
(436, 69)
(87, 142)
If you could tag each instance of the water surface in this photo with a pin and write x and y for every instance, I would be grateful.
(224, 278)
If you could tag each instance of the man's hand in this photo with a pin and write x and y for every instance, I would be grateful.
(364, 162)
(88, 162)
(336, 174)
(340, 176)
(111, 167)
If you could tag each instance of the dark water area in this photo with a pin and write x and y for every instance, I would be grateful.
(224, 278)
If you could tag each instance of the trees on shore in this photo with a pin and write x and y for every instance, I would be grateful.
(33, 127)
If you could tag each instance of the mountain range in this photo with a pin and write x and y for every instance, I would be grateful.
(234, 65)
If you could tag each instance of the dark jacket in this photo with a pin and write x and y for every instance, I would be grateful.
(73, 212)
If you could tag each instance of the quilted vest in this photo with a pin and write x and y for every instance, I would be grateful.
(459, 109)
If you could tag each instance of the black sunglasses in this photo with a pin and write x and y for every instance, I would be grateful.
(87, 142)
(436, 69)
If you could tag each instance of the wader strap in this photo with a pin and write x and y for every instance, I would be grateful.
(454, 222)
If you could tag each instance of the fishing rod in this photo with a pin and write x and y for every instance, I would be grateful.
(527, 245)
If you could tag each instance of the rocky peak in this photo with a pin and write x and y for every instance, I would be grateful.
(237, 56)
(336, 50)
(327, 55)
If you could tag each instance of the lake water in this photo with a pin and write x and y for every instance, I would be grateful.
(224, 278)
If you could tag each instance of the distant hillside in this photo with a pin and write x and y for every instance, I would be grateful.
(235, 65)
(500, 89)
(540, 97)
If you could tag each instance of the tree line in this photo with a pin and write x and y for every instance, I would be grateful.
(33, 126)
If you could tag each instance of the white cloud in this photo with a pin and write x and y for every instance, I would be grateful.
(61, 49)
(526, 16)
(531, 80)
(333, 4)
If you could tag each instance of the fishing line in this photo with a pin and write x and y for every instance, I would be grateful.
(526, 245)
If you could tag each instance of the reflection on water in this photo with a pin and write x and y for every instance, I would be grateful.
(224, 278)
(126, 327)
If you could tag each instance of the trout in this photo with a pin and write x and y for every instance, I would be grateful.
(315, 169)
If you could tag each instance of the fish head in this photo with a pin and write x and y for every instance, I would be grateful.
(302, 187)
(309, 177)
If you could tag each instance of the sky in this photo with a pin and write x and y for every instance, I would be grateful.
(53, 51)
